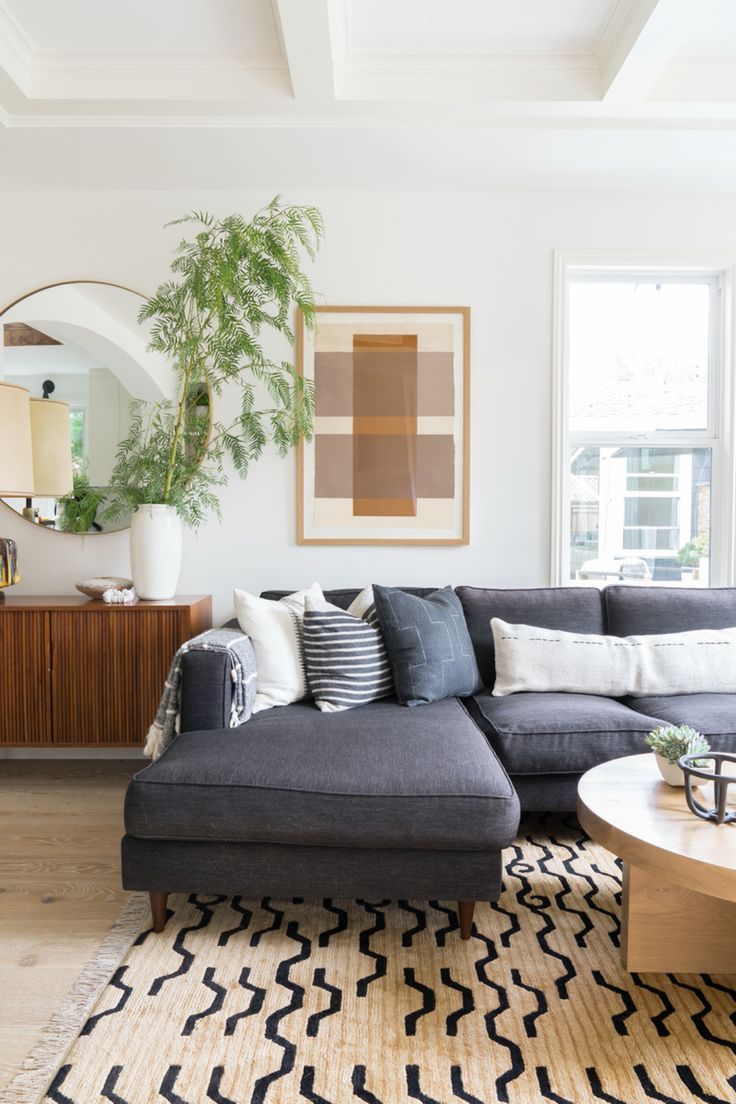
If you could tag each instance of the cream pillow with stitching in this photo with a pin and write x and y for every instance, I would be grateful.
(547, 660)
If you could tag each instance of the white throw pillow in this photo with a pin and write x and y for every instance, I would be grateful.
(544, 660)
(275, 632)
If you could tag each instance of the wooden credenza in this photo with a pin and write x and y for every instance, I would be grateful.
(79, 673)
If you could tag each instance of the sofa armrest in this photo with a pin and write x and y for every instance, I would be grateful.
(206, 691)
(218, 680)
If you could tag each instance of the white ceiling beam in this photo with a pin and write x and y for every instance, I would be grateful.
(305, 34)
(15, 51)
(648, 40)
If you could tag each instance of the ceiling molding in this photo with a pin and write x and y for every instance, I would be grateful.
(206, 78)
(558, 84)
(305, 34)
(45, 61)
(647, 41)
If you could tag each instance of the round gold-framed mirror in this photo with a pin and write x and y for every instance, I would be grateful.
(78, 343)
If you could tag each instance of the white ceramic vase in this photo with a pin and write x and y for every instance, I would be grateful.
(671, 773)
(155, 551)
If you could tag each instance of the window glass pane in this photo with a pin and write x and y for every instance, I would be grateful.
(643, 483)
(652, 538)
(638, 355)
(657, 536)
(77, 433)
(652, 510)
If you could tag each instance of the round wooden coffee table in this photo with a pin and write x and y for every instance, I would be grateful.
(679, 880)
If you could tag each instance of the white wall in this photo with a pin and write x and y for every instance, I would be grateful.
(490, 251)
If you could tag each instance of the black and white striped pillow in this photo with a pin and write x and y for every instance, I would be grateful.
(345, 657)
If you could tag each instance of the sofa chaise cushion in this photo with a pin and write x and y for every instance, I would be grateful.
(377, 776)
(559, 733)
(572, 609)
(712, 714)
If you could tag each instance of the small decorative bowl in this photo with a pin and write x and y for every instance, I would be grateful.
(95, 588)
(692, 769)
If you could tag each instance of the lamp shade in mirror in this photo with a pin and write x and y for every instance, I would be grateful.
(52, 448)
(16, 453)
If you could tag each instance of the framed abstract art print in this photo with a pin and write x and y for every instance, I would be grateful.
(388, 462)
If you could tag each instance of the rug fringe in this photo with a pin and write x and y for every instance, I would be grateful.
(30, 1084)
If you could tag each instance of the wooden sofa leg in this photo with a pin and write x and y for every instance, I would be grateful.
(158, 909)
(465, 911)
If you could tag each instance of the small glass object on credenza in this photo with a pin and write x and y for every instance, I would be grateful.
(9, 573)
(691, 769)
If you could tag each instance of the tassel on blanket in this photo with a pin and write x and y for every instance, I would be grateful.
(154, 744)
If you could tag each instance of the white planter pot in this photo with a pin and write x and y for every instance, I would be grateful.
(671, 773)
(155, 551)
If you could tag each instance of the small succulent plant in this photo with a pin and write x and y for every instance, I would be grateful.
(672, 741)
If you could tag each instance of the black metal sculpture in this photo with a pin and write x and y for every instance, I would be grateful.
(691, 766)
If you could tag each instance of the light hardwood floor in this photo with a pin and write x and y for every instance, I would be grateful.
(60, 829)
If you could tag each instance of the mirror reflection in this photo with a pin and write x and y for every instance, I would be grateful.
(80, 344)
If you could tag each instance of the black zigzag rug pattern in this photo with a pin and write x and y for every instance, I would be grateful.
(282, 1002)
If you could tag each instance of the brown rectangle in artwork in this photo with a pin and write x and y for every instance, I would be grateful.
(384, 467)
(385, 342)
(333, 384)
(384, 398)
(384, 507)
(401, 425)
(435, 384)
(435, 466)
(384, 382)
(333, 465)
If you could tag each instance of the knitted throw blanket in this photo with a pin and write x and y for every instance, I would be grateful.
(238, 650)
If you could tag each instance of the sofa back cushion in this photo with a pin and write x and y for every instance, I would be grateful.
(641, 611)
(571, 609)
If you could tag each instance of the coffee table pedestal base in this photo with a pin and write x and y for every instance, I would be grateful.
(668, 929)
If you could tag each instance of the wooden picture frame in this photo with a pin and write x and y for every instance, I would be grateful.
(389, 459)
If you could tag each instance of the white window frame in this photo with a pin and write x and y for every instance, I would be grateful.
(719, 436)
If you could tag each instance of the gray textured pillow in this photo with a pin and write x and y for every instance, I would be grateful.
(428, 645)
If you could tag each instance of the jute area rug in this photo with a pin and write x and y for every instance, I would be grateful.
(243, 1002)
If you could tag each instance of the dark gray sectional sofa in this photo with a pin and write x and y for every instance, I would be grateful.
(393, 802)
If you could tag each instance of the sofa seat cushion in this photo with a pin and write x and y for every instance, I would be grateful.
(559, 733)
(712, 714)
(376, 776)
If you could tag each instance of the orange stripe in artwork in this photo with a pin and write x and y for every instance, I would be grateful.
(385, 341)
(384, 507)
(383, 425)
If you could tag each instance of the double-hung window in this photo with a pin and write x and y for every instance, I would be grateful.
(639, 466)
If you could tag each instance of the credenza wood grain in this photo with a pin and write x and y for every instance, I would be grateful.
(79, 673)
(25, 688)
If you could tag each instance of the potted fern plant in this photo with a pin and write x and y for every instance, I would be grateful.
(231, 281)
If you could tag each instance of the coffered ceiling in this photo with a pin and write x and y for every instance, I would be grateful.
(369, 60)
(364, 65)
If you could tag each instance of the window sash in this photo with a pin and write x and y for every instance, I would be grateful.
(712, 280)
(721, 400)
